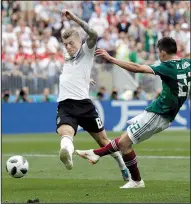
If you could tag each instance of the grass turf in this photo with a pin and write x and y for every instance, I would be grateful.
(167, 178)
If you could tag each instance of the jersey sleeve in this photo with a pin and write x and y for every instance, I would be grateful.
(161, 70)
(87, 50)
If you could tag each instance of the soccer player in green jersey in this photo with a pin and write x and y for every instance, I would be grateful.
(175, 76)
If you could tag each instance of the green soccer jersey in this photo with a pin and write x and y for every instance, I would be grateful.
(175, 76)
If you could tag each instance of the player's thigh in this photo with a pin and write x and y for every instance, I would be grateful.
(94, 126)
(66, 125)
(145, 125)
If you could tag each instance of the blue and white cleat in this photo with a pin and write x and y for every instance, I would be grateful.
(125, 174)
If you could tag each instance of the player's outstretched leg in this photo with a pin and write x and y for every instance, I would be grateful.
(66, 145)
(102, 139)
(123, 144)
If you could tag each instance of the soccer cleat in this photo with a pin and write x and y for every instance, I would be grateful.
(134, 184)
(88, 154)
(66, 158)
(125, 174)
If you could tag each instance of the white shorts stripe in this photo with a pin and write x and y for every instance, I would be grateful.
(145, 126)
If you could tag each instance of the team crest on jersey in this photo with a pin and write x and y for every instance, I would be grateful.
(58, 120)
(185, 65)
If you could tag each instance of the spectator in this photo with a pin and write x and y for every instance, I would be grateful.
(161, 14)
(100, 96)
(122, 50)
(122, 9)
(136, 95)
(123, 24)
(22, 96)
(177, 34)
(105, 42)
(98, 23)
(26, 68)
(46, 96)
(16, 10)
(111, 18)
(87, 10)
(52, 42)
(141, 93)
(8, 35)
(51, 68)
(151, 37)
(136, 30)
(11, 48)
(172, 18)
(186, 39)
(5, 96)
(20, 56)
(114, 94)
(103, 93)
(22, 27)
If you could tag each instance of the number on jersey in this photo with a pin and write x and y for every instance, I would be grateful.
(184, 84)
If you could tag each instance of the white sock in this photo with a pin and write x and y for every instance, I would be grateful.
(67, 142)
(117, 156)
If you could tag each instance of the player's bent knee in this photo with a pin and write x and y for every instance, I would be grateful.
(66, 130)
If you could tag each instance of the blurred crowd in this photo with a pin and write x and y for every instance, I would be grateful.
(138, 94)
(23, 95)
(32, 52)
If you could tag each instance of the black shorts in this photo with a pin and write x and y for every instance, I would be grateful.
(79, 112)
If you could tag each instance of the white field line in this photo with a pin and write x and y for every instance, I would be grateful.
(163, 149)
(143, 157)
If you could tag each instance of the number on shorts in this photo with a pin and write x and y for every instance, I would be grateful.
(99, 123)
(134, 127)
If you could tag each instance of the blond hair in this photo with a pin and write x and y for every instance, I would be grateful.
(70, 32)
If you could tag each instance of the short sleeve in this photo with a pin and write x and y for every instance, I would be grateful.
(161, 69)
(87, 50)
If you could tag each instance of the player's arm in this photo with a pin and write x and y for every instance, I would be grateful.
(129, 66)
(92, 34)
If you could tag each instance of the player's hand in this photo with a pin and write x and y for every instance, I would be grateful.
(103, 53)
(92, 82)
(69, 15)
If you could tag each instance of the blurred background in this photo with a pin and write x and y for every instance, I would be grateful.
(33, 54)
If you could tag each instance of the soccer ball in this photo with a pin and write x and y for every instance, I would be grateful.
(17, 166)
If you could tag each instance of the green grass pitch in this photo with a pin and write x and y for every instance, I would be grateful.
(164, 162)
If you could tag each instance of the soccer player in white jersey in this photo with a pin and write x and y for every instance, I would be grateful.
(74, 104)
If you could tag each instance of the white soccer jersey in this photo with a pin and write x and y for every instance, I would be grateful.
(75, 78)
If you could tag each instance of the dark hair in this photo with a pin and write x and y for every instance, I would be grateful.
(168, 45)
(22, 93)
